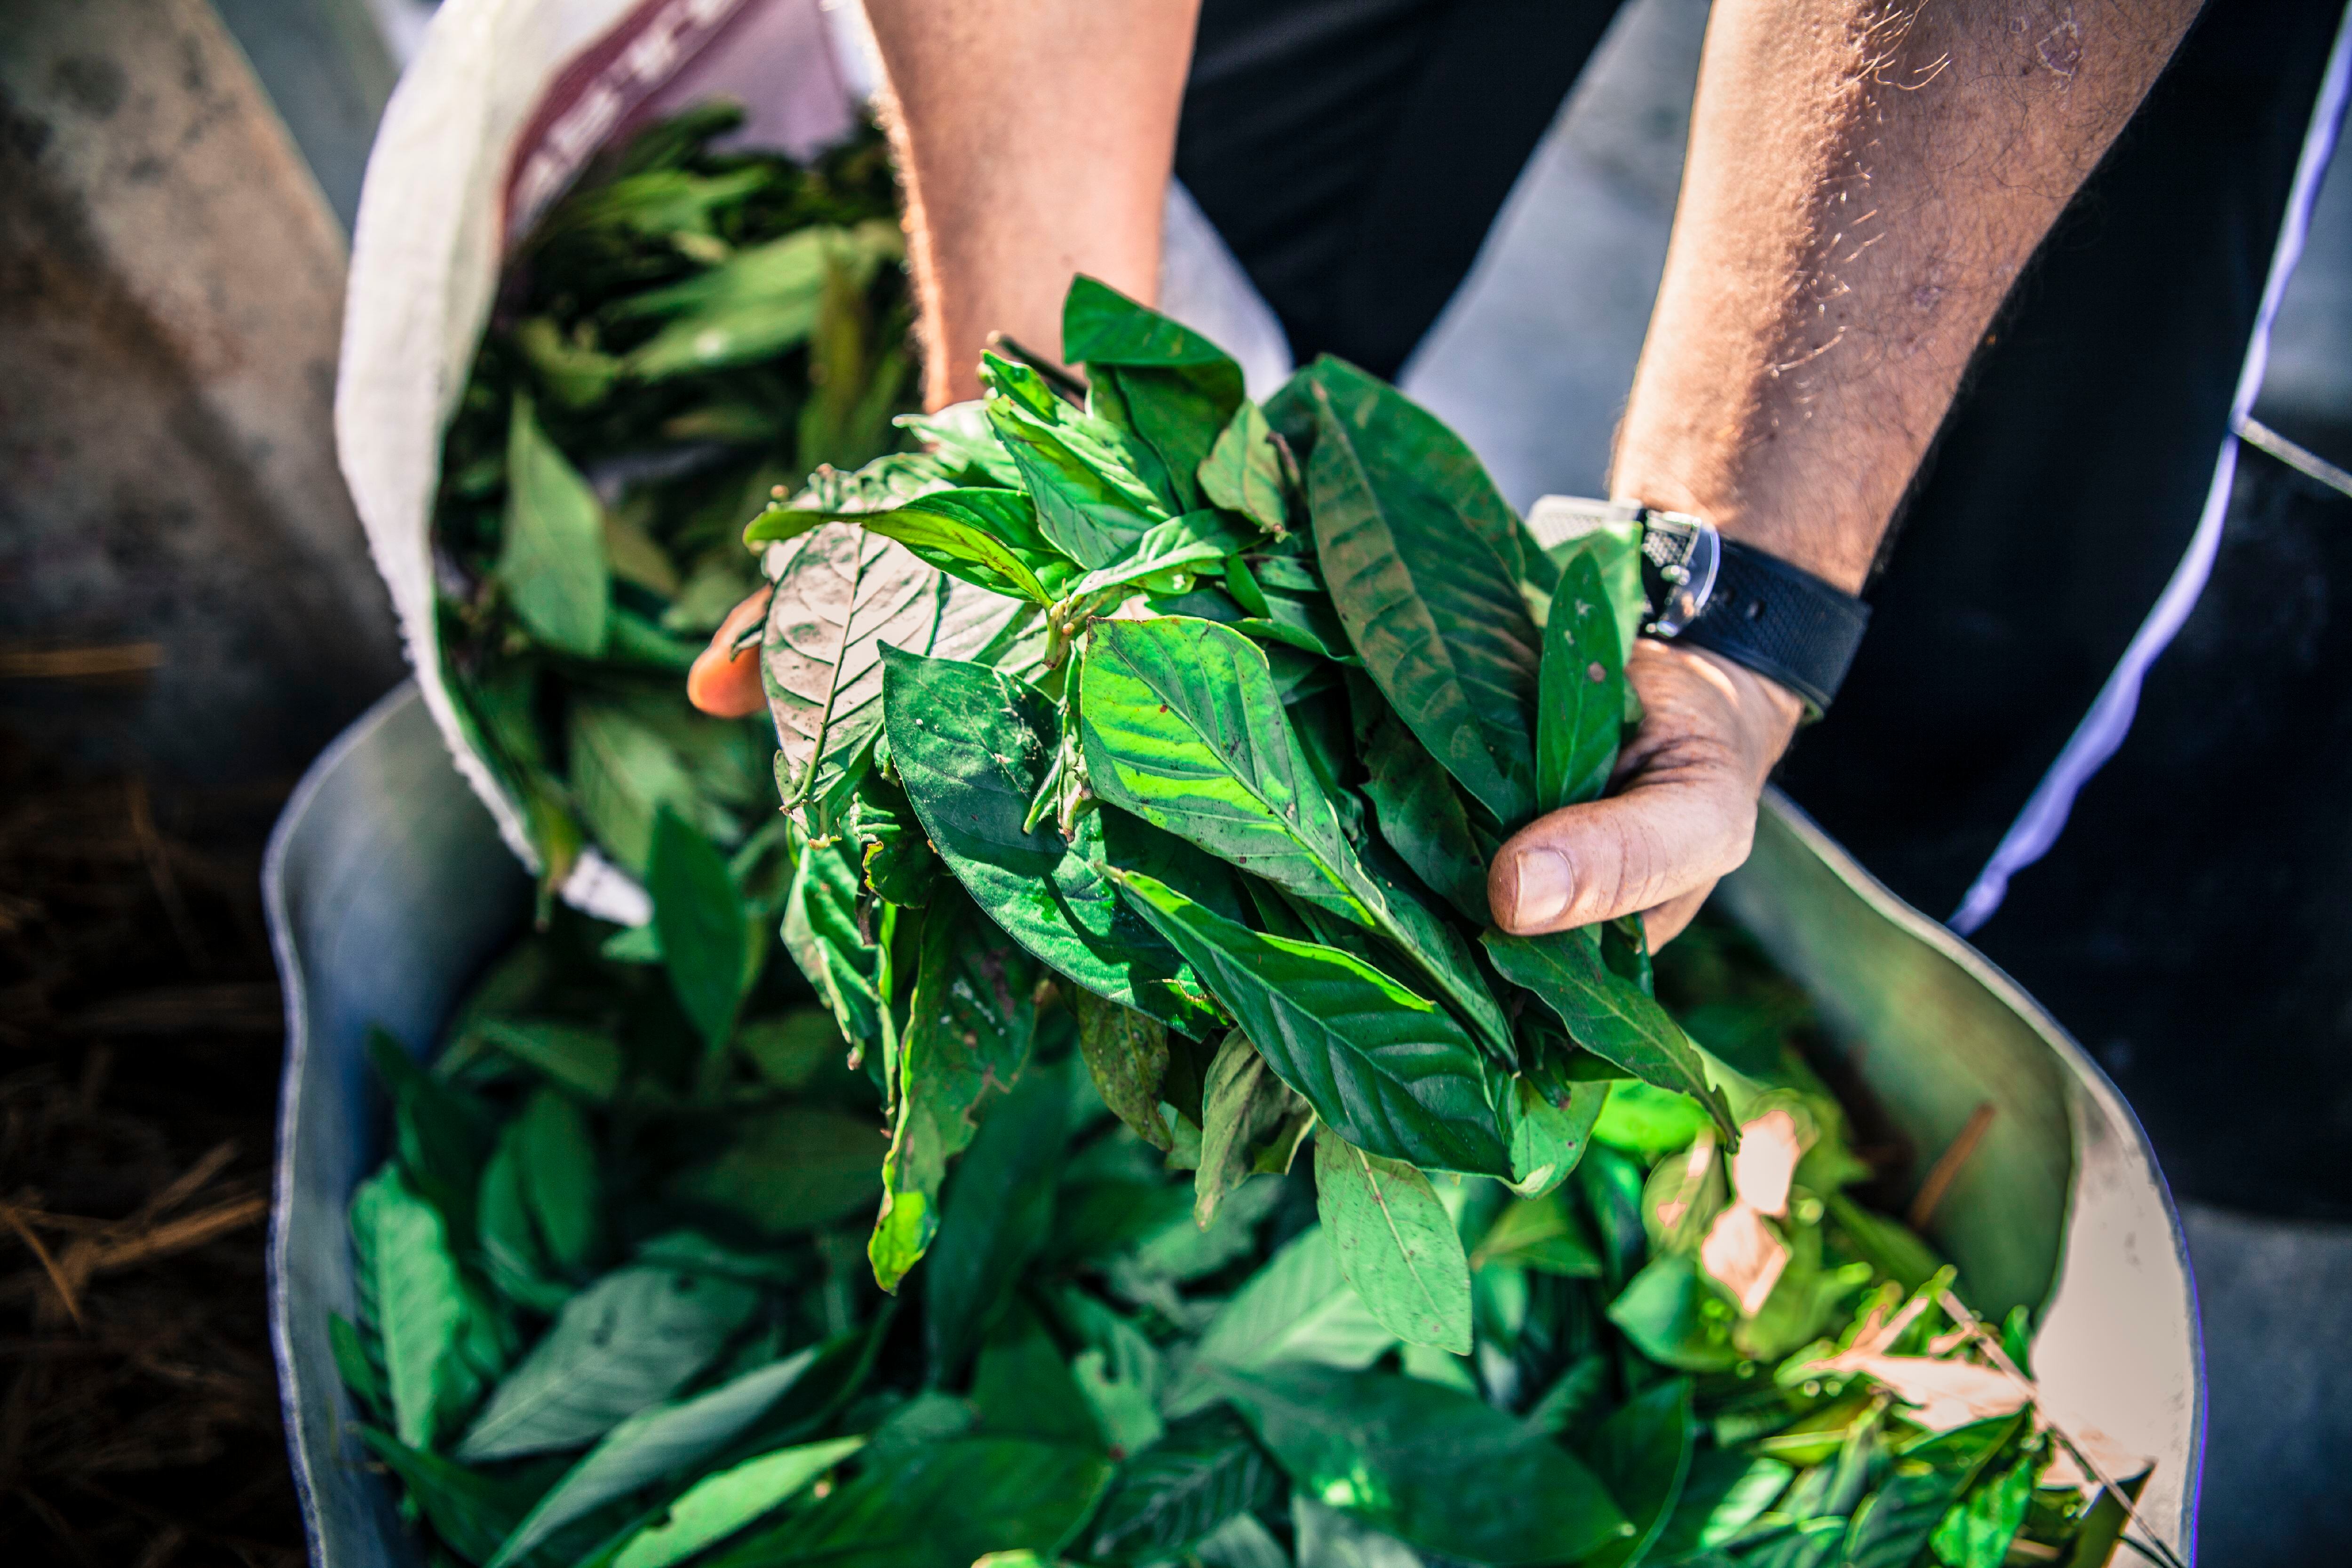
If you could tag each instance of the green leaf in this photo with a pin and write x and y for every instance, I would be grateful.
(1434, 611)
(1126, 1055)
(820, 932)
(470, 1512)
(1091, 503)
(1543, 1234)
(1392, 1073)
(1415, 805)
(972, 747)
(1649, 1122)
(629, 1340)
(987, 538)
(586, 1061)
(1977, 1531)
(940, 1505)
(1642, 1455)
(1442, 1469)
(1171, 386)
(970, 1028)
(1242, 472)
(1727, 1491)
(513, 1255)
(1298, 1308)
(1395, 1243)
(561, 1177)
(793, 1168)
(997, 1213)
(1896, 1524)
(1609, 1015)
(699, 918)
(1244, 1104)
(665, 1440)
(718, 1505)
(793, 1049)
(1190, 545)
(552, 556)
(624, 769)
(1182, 727)
(1023, 1387)
(1176, 1493)
(760, 302)
(1580, 691)
(842, 594)
(443, 1135)
(1550, 1125)
(1675, 1318)
(357, 1368)
(1329, 1539)
(420, 1308)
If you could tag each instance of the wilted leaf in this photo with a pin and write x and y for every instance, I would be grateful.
(1126, 1055)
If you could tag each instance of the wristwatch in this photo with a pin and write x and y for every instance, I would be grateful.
(1733, 599)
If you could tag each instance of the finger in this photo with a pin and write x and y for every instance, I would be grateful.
(1669, 835)
(1671, 919)
(723, 682)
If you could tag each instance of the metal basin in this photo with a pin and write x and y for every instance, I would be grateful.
(388, 888)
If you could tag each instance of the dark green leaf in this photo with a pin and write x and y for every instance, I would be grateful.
(718, 1505)
(1126, 1055)
(998, 1211)
(1395, 1243)
(1977, 1531)
(442, 1133)
(624, 769)
(357, 1368)
(1550, 1122)
(1176, 1493)
(1392, 1073)
(1243, 472)
(1182, 728)
(629, 1340)
(1101, 326)
(1022, 1385)
(1580, 694)
(470, 1512)
(1545, 1234)
(1091, 503)
(1609, 1015)
(969, 1031)
(793, 1049)
(552, 557)
(586, 1061)
(699, 918)
(665, 1440)
(1171, 387)
(513, 1255)
(562, 1181)
(972, 747)
(893, 853)
(1726, 1492)
(791, 1169)
(1298, 1308)
(1326, 1538)
(1416, 806)
(1433, 608)
(1442, 1469)
(1675, 1318)
(941, 1505)
(1243, 1105)
(1642, 1455)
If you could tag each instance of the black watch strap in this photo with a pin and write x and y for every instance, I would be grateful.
(1781, 621)
(1729, 598)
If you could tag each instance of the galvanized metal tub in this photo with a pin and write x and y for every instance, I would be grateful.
(387, 888)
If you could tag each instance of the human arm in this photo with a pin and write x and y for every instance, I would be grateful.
(1863, 184)
(1033, 141)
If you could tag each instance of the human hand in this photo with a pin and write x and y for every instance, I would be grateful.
(723, 682)
(1683, 810)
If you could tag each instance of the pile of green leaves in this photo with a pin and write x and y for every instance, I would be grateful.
(614, 1311)
(684, 332)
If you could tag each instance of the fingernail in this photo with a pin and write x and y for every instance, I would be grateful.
(1542, 882)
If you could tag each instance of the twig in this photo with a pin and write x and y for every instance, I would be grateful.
(50, 1266)
(186, 1185)
(1990, 1343)
(79, 663)
(158, 871)
(1947, 1167)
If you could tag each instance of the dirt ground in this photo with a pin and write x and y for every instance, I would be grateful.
(140, 1038)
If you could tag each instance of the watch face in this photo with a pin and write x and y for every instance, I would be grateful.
(1679, 557)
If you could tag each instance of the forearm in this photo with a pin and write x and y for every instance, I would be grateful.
(1034, 139)
(1864, 181)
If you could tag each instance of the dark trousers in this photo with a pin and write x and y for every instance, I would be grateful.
(2193, 924)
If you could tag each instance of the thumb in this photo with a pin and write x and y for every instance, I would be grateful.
(1659, 839)
(1685, 810)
